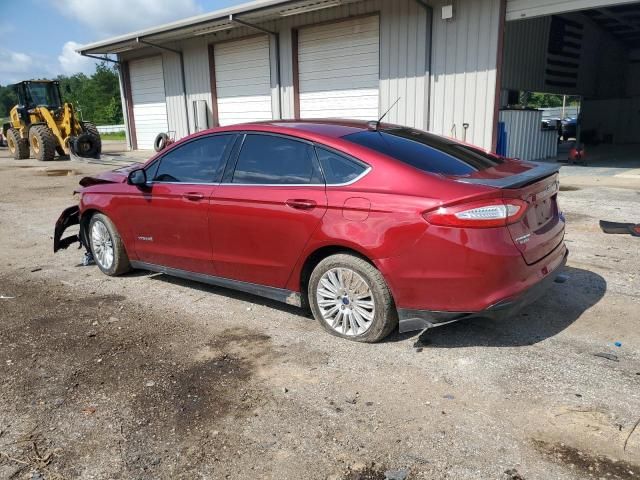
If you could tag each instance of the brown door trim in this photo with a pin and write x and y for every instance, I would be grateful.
(499, 60)
(214, 90)
(296, 73)
(126, 83)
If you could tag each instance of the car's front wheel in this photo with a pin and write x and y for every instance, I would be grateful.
(107, 246)
(350, 299)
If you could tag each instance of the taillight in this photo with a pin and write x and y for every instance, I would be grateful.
(493, 212)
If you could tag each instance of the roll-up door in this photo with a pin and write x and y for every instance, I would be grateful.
(149, 101)
(338, 69)
(243, 80)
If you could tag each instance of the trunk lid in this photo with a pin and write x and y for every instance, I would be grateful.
(541, 229)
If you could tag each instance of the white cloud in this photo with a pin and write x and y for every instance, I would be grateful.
(13, 65)
(17, 66)
(14, 61)
(72, 62)
(113, 17)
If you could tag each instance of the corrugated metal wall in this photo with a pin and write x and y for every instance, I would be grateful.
(525, 54)
(525, 138)
(461, 87)
(404, 39)
(464, 71)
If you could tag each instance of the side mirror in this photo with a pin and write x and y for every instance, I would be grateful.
(137, 177)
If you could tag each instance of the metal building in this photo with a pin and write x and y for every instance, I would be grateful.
(445, 60)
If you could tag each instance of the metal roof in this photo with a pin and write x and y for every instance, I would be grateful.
(218, 20)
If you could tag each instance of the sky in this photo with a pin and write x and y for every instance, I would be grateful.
(38, 38)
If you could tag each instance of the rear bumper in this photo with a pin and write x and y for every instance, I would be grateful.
(410, 320)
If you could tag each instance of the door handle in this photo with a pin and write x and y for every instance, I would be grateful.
(193, 196)
(301, 204)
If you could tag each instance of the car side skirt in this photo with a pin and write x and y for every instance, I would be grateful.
(279, 294)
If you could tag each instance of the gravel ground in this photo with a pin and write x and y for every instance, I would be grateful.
(146, 376)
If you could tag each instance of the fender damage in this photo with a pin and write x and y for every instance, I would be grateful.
(69, 217)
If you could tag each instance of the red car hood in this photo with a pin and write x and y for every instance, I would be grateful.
(119, 175)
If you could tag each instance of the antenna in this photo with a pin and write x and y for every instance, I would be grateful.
(376, 125)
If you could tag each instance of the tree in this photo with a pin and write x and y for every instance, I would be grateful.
(545, 100)
(7, 100)
(95, 97)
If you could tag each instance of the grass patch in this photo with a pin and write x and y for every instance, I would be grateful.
(113, 136)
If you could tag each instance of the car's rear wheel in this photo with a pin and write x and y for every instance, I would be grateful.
(107, 246)
(350, 299)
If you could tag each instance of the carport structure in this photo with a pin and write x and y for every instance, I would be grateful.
(450, 64)
(587, 48)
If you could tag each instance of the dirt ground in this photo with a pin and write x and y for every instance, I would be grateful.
(145, 376)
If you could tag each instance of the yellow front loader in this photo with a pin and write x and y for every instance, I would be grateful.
(42, 125)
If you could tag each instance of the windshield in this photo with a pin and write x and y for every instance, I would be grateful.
(425, 151)
(43, 94)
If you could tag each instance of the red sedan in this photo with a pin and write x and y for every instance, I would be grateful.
(371, 226)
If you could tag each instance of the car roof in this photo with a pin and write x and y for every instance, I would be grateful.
(334, 128)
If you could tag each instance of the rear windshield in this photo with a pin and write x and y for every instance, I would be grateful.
(427, 152)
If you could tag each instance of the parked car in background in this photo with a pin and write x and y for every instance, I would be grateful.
(370, 225)
(569, 128)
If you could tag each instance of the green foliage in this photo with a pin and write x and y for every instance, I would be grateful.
(95, 97)
(545, 100)
(7, 100)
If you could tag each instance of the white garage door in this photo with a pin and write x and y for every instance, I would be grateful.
(243, 80)
(149, 102)
(338, 69)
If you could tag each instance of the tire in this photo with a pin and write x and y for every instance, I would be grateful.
(86, 145)
(102, 231)
(91, 129)
(19, 147)
(42, 143)
(374, 291)
(161, 141)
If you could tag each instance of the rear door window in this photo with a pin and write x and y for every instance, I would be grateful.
(425, 151)
(198, 161)
(338, 169)
(275, 160)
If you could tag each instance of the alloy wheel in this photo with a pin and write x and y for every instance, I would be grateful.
(102, 245)
(346, 301)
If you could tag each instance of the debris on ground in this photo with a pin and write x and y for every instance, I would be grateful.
(633, 429)
(401, 474)
(608, 356)
(87, 259)
(620, 228)
(512, 474)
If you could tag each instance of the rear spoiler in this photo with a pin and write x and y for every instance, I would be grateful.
(540, 171)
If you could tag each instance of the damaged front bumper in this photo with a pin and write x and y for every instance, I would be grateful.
(70, 216)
